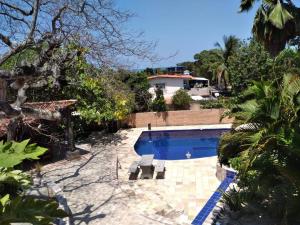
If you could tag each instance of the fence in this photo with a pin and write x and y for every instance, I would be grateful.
(177, 118)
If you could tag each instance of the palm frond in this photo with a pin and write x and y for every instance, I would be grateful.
(218, 45)
(291, 86)
(246, 5)
(279, 16)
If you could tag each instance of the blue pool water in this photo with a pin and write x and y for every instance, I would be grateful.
(179, 144)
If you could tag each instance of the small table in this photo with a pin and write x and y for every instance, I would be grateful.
(146, 166)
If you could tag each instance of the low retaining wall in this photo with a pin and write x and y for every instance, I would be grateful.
(177, 118)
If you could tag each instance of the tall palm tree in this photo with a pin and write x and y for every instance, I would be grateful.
(231, 44)
(276, 23)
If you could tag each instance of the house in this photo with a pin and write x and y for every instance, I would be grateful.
(171, 83)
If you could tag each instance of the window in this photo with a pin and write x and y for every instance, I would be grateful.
(160, 85)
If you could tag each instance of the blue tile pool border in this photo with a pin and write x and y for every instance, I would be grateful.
(213, 200)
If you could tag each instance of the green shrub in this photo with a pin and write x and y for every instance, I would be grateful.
(13, 153)
(214, 104)
(234, 199)
(15, 206)
(181, 100)
(159, 104)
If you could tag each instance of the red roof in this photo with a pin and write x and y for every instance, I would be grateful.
(177, 76)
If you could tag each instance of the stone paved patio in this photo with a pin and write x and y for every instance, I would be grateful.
(96, 196)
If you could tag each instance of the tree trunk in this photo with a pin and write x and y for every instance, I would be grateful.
(3, 86)
(12, 129)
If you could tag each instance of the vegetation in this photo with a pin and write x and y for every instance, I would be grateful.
(139, 86)
(101, 99)
(205, 64)
(76, 57)
(66, 43)
(253, 63)
(250, 62)
(159, 103)
(276, 23)
(231, 44)
(215, 103)
(15, 206)
(101, 96)
(181, 100)
(13, 153)
(266, 151)
(213, 64)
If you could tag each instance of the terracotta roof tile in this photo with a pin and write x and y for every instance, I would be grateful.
(51, 106)
(3, 126)
(5, 122)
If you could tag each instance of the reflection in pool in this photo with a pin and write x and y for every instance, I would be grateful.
(179, 144)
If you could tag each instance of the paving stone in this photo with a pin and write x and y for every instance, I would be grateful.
(96, 196)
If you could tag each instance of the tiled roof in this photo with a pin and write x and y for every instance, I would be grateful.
(5, 122)
(51, 106)
(3, 126)
(177, 76)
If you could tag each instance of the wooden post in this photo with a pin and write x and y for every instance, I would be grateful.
(11, 131)
(3, 86)
(69, 135)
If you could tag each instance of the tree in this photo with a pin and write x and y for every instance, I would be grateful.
(250, 63)
(48, 28)
(98, 101)
(159, 103)
(213, 64)
(139, 85)
(231, 44)
(266, 149)
(253, 63)
(205, 64)
(181, 100)
(276, 23)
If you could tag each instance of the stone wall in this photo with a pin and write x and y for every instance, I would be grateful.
(177, 118)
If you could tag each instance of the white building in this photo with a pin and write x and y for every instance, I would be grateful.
(172, 83)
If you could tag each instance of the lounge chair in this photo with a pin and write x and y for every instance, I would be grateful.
(160, 169)
(147, 167)
(134, 170)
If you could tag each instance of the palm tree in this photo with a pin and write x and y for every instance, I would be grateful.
(266, 153)
(276, 23)
(231, 44)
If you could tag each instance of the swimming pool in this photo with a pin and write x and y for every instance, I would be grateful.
(179, 144)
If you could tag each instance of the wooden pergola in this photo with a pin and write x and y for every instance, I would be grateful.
(63, 115)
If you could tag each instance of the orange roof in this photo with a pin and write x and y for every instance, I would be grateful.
(177, 76)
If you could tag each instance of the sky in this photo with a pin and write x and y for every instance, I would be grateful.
(185, 27)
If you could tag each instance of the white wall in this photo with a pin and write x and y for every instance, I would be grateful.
(171, 85)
